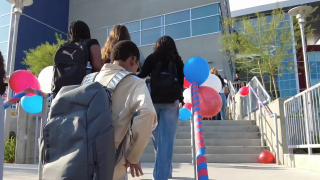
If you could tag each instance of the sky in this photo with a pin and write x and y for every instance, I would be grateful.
(243, 4)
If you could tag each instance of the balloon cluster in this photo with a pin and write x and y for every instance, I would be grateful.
(196, 70)
(22, 79)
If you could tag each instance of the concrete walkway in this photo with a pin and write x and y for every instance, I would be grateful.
(185, 172)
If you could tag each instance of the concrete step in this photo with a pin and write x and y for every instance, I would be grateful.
(245, 128)
(220, 123)
(216, 149)
(218, 142)
(211, 158)
(222, 135)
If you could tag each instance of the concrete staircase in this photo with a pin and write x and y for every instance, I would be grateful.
(226, 142)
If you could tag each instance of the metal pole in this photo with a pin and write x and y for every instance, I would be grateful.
(35, 142)
(193, 149)
(261, 125)
(304, 49)
(276, 137)
(42, 123)
(2, 142)
(17, 11)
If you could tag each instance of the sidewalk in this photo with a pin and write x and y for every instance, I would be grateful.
(185, 172)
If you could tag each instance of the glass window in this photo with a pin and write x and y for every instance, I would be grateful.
(4, 48)
(206, 25)
(205, 11)
(133, 26)
(151, 36)
(135, 37)
(152, 22)
(110, 29)
(178, 31)
(177, 17)
(5, 20)
(5, 7)
(4, 34)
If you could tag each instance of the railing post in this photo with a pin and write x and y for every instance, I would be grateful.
(193, 148)
(261, 125)
(43, 121)
(276, 137)
(306, 116)
(249, 104)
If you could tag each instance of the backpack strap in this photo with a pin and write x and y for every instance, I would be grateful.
(89, 78)
(116, 80)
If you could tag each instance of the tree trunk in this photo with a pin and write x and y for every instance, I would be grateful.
(259, 65)
(275, 86)
(271, 93)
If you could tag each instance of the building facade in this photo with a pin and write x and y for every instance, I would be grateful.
(5, 21)
(195, 25)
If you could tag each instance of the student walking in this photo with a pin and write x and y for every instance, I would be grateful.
(165, 67)
(118, 33)
(222, 93)
(130, 97)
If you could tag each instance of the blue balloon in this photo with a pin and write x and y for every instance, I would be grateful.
(32, 104)
(197, 70)
(184, 114)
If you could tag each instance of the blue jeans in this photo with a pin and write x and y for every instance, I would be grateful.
(223, 109)
(163, 139)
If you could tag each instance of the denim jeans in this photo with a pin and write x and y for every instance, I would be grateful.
(163, 139)
(223, 109)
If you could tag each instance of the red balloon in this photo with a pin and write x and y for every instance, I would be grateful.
(188, 106)
(22, 79)
(266, 157)
(244, 91)
(210, 101)
(186, 83)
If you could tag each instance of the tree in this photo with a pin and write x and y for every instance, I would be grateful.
(42, 56)
(264, 43)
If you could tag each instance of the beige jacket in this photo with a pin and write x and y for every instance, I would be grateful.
(130, 96)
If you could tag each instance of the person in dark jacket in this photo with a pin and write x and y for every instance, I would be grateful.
(167, 106)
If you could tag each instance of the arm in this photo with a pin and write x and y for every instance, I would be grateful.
(147, 67)
(95, 56)
(143, 123)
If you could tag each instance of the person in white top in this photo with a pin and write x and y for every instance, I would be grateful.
(222, 93)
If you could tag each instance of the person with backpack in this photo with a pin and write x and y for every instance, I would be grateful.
(91, 133)
(79, 56)
(224, 89)
(118, 33)
(165, 67)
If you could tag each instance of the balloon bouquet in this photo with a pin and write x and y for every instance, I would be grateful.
(196, 70)
(20, 80)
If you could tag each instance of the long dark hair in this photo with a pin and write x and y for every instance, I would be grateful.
(166, 51)
(3, 85)
(118, 33)
(78, 30)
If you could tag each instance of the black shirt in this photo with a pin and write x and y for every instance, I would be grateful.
(90, 42)
(149, 65)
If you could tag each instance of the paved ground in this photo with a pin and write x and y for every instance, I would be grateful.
(185, 172)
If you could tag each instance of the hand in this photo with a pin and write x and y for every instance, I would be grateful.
(135, 169)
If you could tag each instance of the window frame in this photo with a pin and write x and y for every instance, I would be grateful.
(165, 25)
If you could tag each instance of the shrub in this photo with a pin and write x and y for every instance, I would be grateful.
(10, 150)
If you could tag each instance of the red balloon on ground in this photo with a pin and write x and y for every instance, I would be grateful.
(210, 101)
(244, 91)
(186, 83)
(22, 79)
(188, 106)
(266, 157)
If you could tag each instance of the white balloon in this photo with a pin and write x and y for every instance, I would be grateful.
(213, 82)
(45, 79)
(187, 96)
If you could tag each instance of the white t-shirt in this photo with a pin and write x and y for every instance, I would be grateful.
(224, 87)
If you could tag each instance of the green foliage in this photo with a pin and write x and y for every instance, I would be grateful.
(42, 56)
(263, 43)
(10, 150)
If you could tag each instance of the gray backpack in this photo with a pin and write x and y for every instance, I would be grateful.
(78, 139)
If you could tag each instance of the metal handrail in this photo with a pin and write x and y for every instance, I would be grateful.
(256, 80)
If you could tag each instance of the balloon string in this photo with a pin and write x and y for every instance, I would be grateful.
(18, 96)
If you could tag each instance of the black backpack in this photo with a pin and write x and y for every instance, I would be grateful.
(70, 64)
(165, 87)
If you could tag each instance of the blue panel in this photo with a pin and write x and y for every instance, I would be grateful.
(178, 17)
(135, 37)
(206, 26)
(178, 31)
(32, 33)
(152, 22)
(205, 11)
(5, 7)
(133, 26)
(151, 36)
